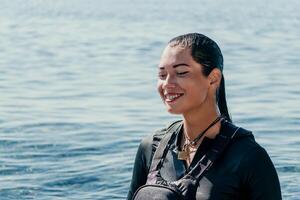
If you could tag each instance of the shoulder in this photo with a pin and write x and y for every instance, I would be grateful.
(150, 142)
(255, 157)
(256, 170)
(241, 147)
(248, 151)
(153, 139)
(249, 154)
(242, 139)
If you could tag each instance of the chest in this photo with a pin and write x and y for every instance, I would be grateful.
(220, 182)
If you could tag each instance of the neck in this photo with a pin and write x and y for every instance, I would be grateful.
(197, 121)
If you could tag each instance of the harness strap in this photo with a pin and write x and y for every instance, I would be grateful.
(164, 145)
(219, 144)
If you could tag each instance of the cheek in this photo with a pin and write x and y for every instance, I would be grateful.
(197, 90)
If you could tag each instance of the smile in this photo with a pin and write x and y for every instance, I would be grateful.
(172, 97)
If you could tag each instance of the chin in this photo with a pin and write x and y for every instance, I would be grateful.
(174, 111)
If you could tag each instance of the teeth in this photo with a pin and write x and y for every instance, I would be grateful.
(171, 97)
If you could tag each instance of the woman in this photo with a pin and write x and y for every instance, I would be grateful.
(191, 84)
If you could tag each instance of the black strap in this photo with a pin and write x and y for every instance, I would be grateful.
(164, 145)
(219, 144)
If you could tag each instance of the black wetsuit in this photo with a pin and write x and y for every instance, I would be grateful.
(244, 171)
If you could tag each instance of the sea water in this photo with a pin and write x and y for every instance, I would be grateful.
(78, 87)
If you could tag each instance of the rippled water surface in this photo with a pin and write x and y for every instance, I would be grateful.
(77, 84)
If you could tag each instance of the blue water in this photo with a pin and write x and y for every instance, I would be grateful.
(77, 85)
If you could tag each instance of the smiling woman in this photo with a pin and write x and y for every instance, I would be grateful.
(204, 155)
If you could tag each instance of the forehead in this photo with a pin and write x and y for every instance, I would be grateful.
(175, 55)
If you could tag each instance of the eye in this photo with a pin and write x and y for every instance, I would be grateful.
(162, 76)
(182, 73)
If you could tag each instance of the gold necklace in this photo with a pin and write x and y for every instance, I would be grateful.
(185, 153)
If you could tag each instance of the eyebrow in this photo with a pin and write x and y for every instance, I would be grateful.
(177, 65)
(180, 64)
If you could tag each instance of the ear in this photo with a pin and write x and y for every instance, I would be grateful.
(215, 77)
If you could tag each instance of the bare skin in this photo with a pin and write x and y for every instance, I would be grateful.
(186, 91)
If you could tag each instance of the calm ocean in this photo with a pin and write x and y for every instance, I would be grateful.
(78, 87)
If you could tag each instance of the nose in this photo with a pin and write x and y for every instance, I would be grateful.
(170, 82)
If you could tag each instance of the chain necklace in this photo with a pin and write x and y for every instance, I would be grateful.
(185, 153)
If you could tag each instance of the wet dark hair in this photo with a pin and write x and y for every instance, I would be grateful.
(206, 52)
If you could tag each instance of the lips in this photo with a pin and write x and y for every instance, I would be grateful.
(172, 97)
